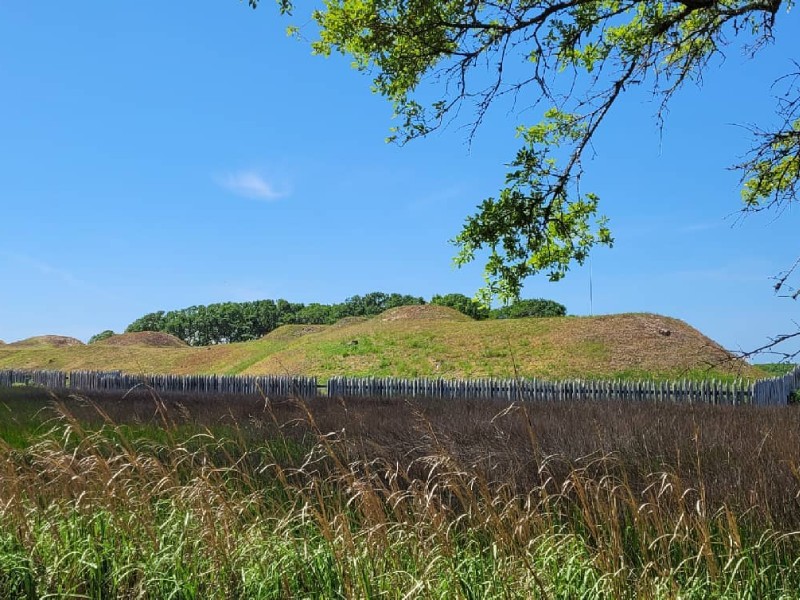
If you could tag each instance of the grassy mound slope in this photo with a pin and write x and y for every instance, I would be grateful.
(150, 339)
(427, 312)
(348, 321)
(633, 345)
(58, 341)
(430, 342)
(286, 333)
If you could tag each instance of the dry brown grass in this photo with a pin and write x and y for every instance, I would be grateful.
(213, 497)
(745, 459)
(735, 457)
(645, 341)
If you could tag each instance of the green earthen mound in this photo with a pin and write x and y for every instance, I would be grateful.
(424, 312)
(59, 341)
(291, 332)
(148, 339)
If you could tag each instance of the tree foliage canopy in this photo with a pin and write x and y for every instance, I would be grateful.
(103, 335)
(537, 307)
(463, 304)
(572, 60)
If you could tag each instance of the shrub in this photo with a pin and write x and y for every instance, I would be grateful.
(538, 307)
(101, 336)
(462, 304)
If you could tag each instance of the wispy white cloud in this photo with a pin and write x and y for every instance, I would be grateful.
(252, 184)
(700, 227)
(45, 269)
(27, 265)
(442, 196)
(436, 199)
(739, 272)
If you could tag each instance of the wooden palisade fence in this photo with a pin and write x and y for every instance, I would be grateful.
(84, 381)
(764, 392)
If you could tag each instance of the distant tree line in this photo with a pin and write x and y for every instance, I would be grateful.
(226, 322)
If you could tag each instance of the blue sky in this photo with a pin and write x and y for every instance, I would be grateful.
(156, 155)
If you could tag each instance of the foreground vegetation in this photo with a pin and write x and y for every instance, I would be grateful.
(220, 498)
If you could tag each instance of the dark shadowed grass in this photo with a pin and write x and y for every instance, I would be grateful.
(23, 413)
(776, 369)
(182, 497)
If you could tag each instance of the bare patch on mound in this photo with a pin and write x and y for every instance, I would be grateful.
(348, 321)
(424, 312)
(652, 342)
(149, 339)
(290, 332)
(59, 341)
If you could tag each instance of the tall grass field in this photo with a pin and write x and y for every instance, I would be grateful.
(140, 496)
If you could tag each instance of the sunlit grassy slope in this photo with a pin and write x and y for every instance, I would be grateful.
(426, 341)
